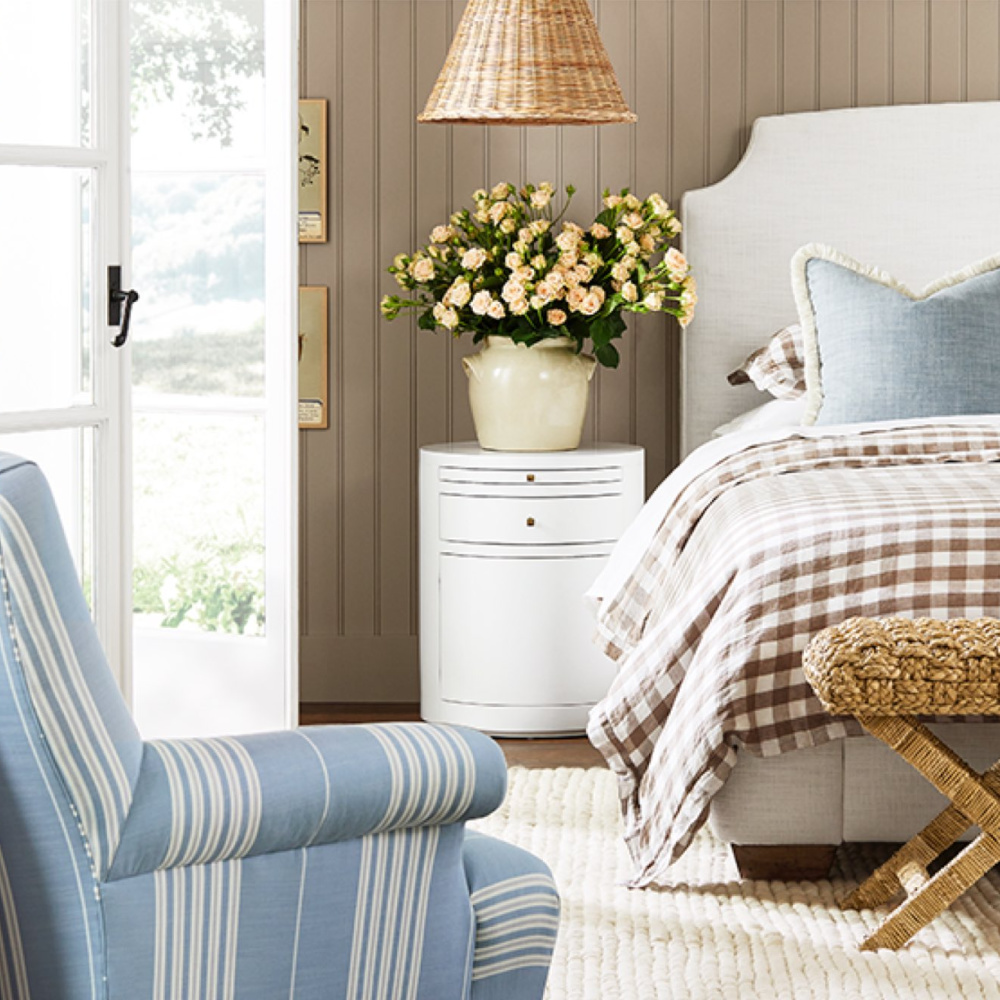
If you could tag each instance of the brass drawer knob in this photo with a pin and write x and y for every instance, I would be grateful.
(531, 477)
(531, 522)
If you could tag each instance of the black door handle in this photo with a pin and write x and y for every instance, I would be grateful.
(116, 296)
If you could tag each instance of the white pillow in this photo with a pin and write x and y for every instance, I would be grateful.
(775, 415)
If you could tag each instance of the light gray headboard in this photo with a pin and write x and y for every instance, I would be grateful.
(914, 189)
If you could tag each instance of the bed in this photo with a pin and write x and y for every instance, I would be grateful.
(916, 190)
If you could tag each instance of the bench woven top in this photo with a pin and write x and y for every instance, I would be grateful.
(902, 666)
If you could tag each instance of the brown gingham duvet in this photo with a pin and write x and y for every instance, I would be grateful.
(752, 558)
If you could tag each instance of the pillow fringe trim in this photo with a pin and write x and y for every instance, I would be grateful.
(807, 316)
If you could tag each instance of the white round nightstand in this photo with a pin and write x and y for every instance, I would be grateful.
(509, 543)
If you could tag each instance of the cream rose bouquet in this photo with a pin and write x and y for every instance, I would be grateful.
(509, 269)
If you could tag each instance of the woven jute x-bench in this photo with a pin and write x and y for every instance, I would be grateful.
(887, 672)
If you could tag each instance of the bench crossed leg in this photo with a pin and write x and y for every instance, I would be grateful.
(975, 800)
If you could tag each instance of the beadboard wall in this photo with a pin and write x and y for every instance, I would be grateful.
(697, 72)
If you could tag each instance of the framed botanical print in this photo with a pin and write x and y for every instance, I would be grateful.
(312, 171)
(313, 319)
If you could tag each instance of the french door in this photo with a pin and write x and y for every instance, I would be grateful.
(172, 456)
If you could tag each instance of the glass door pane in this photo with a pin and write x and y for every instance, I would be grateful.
(46, 287)
(45, 72)
(198, 352)
(66, 456)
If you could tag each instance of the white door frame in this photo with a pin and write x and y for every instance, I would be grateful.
(176, 685)
(107, 414)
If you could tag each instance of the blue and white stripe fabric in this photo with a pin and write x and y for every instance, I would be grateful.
(326, 862)
(46, 635)
(205, 800)
(517, 918)
(13, 970)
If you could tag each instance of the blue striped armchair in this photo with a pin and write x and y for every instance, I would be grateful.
(327, 862)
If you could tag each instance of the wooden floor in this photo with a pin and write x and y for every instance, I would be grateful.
(562, 752)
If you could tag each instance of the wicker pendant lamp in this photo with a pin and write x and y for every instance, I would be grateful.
(527, 62)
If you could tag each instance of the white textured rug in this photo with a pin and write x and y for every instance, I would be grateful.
(709, 935)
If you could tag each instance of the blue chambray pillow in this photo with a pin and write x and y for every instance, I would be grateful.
(875, 350)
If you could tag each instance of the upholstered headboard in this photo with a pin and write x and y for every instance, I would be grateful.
(914, 189)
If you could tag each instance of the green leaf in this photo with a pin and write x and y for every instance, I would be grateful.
(606, 218)
(427, 321)
(607, 356)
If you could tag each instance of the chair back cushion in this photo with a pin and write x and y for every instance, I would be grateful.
(51, 648)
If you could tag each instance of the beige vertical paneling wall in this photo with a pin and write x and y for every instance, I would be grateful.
(698, 72)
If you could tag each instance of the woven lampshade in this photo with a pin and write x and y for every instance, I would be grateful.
(527, 62)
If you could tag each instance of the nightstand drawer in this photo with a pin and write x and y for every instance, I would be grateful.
(539, 476)
(535, 521)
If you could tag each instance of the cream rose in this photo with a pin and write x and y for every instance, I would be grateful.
(591, 303)
(422, 269)
(575, 298)
(600, 231)
(458, 294)
(474, 258)
(441, 234)
(445, 316)
(676, 264)
(568, 240)
(659, 206)
(512, 290)
(629, 292)
(555, 317)
(481, 302)
(496, 310)
(518, 307)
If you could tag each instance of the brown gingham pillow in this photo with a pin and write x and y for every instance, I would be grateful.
(778, 367)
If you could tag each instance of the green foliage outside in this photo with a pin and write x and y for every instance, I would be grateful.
(198, 246)
(205, 47)
(202, 364)
(215, 585)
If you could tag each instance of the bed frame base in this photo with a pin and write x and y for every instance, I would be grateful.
(784, 862)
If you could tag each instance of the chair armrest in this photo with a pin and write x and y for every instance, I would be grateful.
(204, 800)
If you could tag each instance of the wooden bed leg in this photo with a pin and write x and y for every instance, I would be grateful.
(784, 862)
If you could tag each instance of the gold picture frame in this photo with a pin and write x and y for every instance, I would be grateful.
(312, 171)
(314, 409)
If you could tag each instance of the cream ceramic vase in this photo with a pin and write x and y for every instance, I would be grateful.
(529, 398)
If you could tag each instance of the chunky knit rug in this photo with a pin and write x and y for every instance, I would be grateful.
(710, 936)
